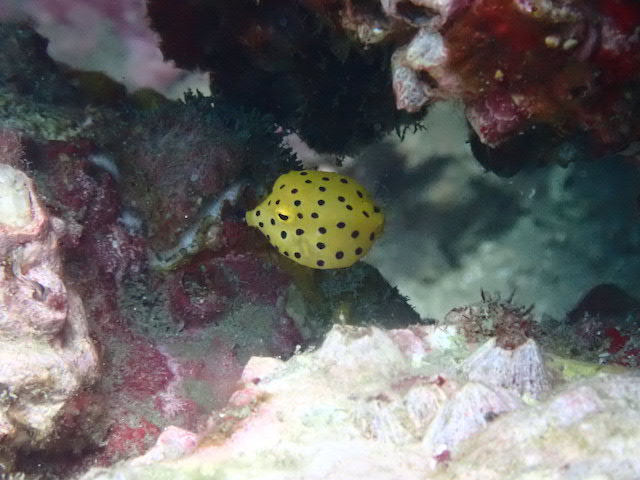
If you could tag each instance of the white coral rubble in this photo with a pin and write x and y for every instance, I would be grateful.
(374, 404)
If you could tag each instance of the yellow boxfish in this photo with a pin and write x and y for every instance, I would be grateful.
(319, 219)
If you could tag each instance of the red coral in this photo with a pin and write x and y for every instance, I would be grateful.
(617, 339)
(259, 281)
(146, 371)
(125, 441)
(605, 320)
(564, 68)
(624, 13)
(236, 235)
(496, 115)
(114, 251)
(200, 292)
(79, 190)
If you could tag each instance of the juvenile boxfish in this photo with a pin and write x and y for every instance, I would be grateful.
(319, 219)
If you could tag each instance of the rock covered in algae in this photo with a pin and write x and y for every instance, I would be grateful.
(388, 404)
(46, 355)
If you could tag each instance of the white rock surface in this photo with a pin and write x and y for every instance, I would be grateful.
(521, 369)
(377, 405)
(588, 430)
(46, 355)
(15, 204)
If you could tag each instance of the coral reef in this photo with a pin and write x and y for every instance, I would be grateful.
(46, 355)
(183, 160)
(396, 404)
(581, 430)
(601, 327)
(131, 208)
(511, 325)
(179, 291)
(104, 35)
(286, 59)
(35, 97)
(563, 74)
(568, 65)
(546, 82)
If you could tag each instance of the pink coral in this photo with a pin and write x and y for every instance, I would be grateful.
(79, 29)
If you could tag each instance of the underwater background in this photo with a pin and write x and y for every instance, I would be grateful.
(303, 239)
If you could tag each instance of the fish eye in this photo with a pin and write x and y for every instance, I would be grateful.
(284, 215)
